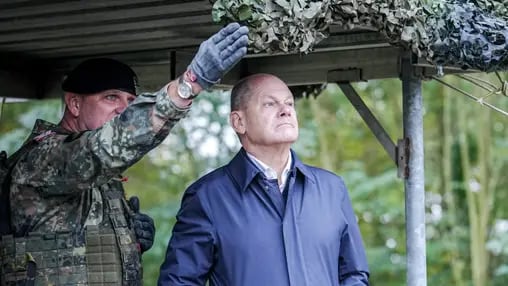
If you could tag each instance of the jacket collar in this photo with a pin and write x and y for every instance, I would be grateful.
(42, 126)
(243, 170)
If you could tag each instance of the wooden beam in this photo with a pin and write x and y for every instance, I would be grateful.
(127, 27)
(144, 37)
(96, 17)
(11, 10)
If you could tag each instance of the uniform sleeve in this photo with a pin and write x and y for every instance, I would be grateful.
(63, 164)
(353, 267)
(190, 252)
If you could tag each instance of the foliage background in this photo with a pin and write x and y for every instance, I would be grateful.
(466, 152)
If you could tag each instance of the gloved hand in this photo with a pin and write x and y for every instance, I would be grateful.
(218, 54)
(143, 225)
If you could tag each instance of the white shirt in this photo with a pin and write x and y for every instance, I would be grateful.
(270, 173)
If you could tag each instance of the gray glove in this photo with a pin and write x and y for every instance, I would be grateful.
(219, 54)
(143, 225)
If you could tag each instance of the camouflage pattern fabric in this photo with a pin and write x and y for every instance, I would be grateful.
(497, 8)
(70, 183)
(278, 26)
(56, 185)
(461, 34)
(465, 33)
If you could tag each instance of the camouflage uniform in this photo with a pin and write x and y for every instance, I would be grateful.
(68, 210)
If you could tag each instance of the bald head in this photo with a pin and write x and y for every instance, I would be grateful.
(263, 113)
(243, 90)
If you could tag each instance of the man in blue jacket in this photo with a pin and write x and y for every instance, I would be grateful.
(265, 218)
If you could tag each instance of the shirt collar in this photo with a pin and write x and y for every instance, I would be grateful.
(269, 172)
(243, 170)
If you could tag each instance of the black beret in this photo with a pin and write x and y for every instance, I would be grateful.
(99, 74)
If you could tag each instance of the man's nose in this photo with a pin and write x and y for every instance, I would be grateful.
(285, 110)
(122, 105)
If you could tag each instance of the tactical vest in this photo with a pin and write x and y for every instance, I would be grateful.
(110, 256)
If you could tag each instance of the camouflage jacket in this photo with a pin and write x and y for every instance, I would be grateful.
(62, 184)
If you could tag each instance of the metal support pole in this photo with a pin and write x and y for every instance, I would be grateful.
(369, 118)
(414, 184)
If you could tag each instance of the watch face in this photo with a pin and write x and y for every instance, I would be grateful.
(184, 90)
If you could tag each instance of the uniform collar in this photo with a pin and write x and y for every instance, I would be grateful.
(42, 126)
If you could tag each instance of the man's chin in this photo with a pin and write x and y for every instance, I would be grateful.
(287, 140)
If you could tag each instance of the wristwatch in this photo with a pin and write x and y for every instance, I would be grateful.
(185, 89)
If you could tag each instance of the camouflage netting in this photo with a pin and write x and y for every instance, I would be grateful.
(497, 8)
(468, 33)
(279, 25)
(463, 34)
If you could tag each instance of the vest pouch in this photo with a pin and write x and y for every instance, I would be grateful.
(54, 259)
(12, 257)
(103, 256)
(126, 239)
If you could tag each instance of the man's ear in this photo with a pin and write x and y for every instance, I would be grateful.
(73, 103)
(237, 121)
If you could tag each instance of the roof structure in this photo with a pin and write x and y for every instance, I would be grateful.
(41, 40)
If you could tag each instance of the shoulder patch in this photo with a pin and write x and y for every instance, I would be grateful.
(43, 135)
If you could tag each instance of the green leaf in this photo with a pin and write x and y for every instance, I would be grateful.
(284, 4)
(218, 14)
(244, 13)
(407, 34)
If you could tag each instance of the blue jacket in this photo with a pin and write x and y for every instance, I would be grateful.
(234, 228)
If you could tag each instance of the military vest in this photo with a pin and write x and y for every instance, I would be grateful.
(110, 254)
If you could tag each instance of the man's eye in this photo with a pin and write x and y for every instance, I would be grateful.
(110, 97)
(269, 104)
(290, 103)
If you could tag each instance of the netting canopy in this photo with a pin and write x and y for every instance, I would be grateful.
(471, 34)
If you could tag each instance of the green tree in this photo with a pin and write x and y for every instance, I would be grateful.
(465, 153)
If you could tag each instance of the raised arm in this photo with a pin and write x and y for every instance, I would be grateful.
(66, 164)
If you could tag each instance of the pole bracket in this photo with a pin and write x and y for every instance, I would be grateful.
(403, 151)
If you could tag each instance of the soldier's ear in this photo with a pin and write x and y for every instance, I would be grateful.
(237, 121)
(73, 103)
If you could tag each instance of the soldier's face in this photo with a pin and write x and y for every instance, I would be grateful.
(101, 107)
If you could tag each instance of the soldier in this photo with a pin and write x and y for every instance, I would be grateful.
(71, 223)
